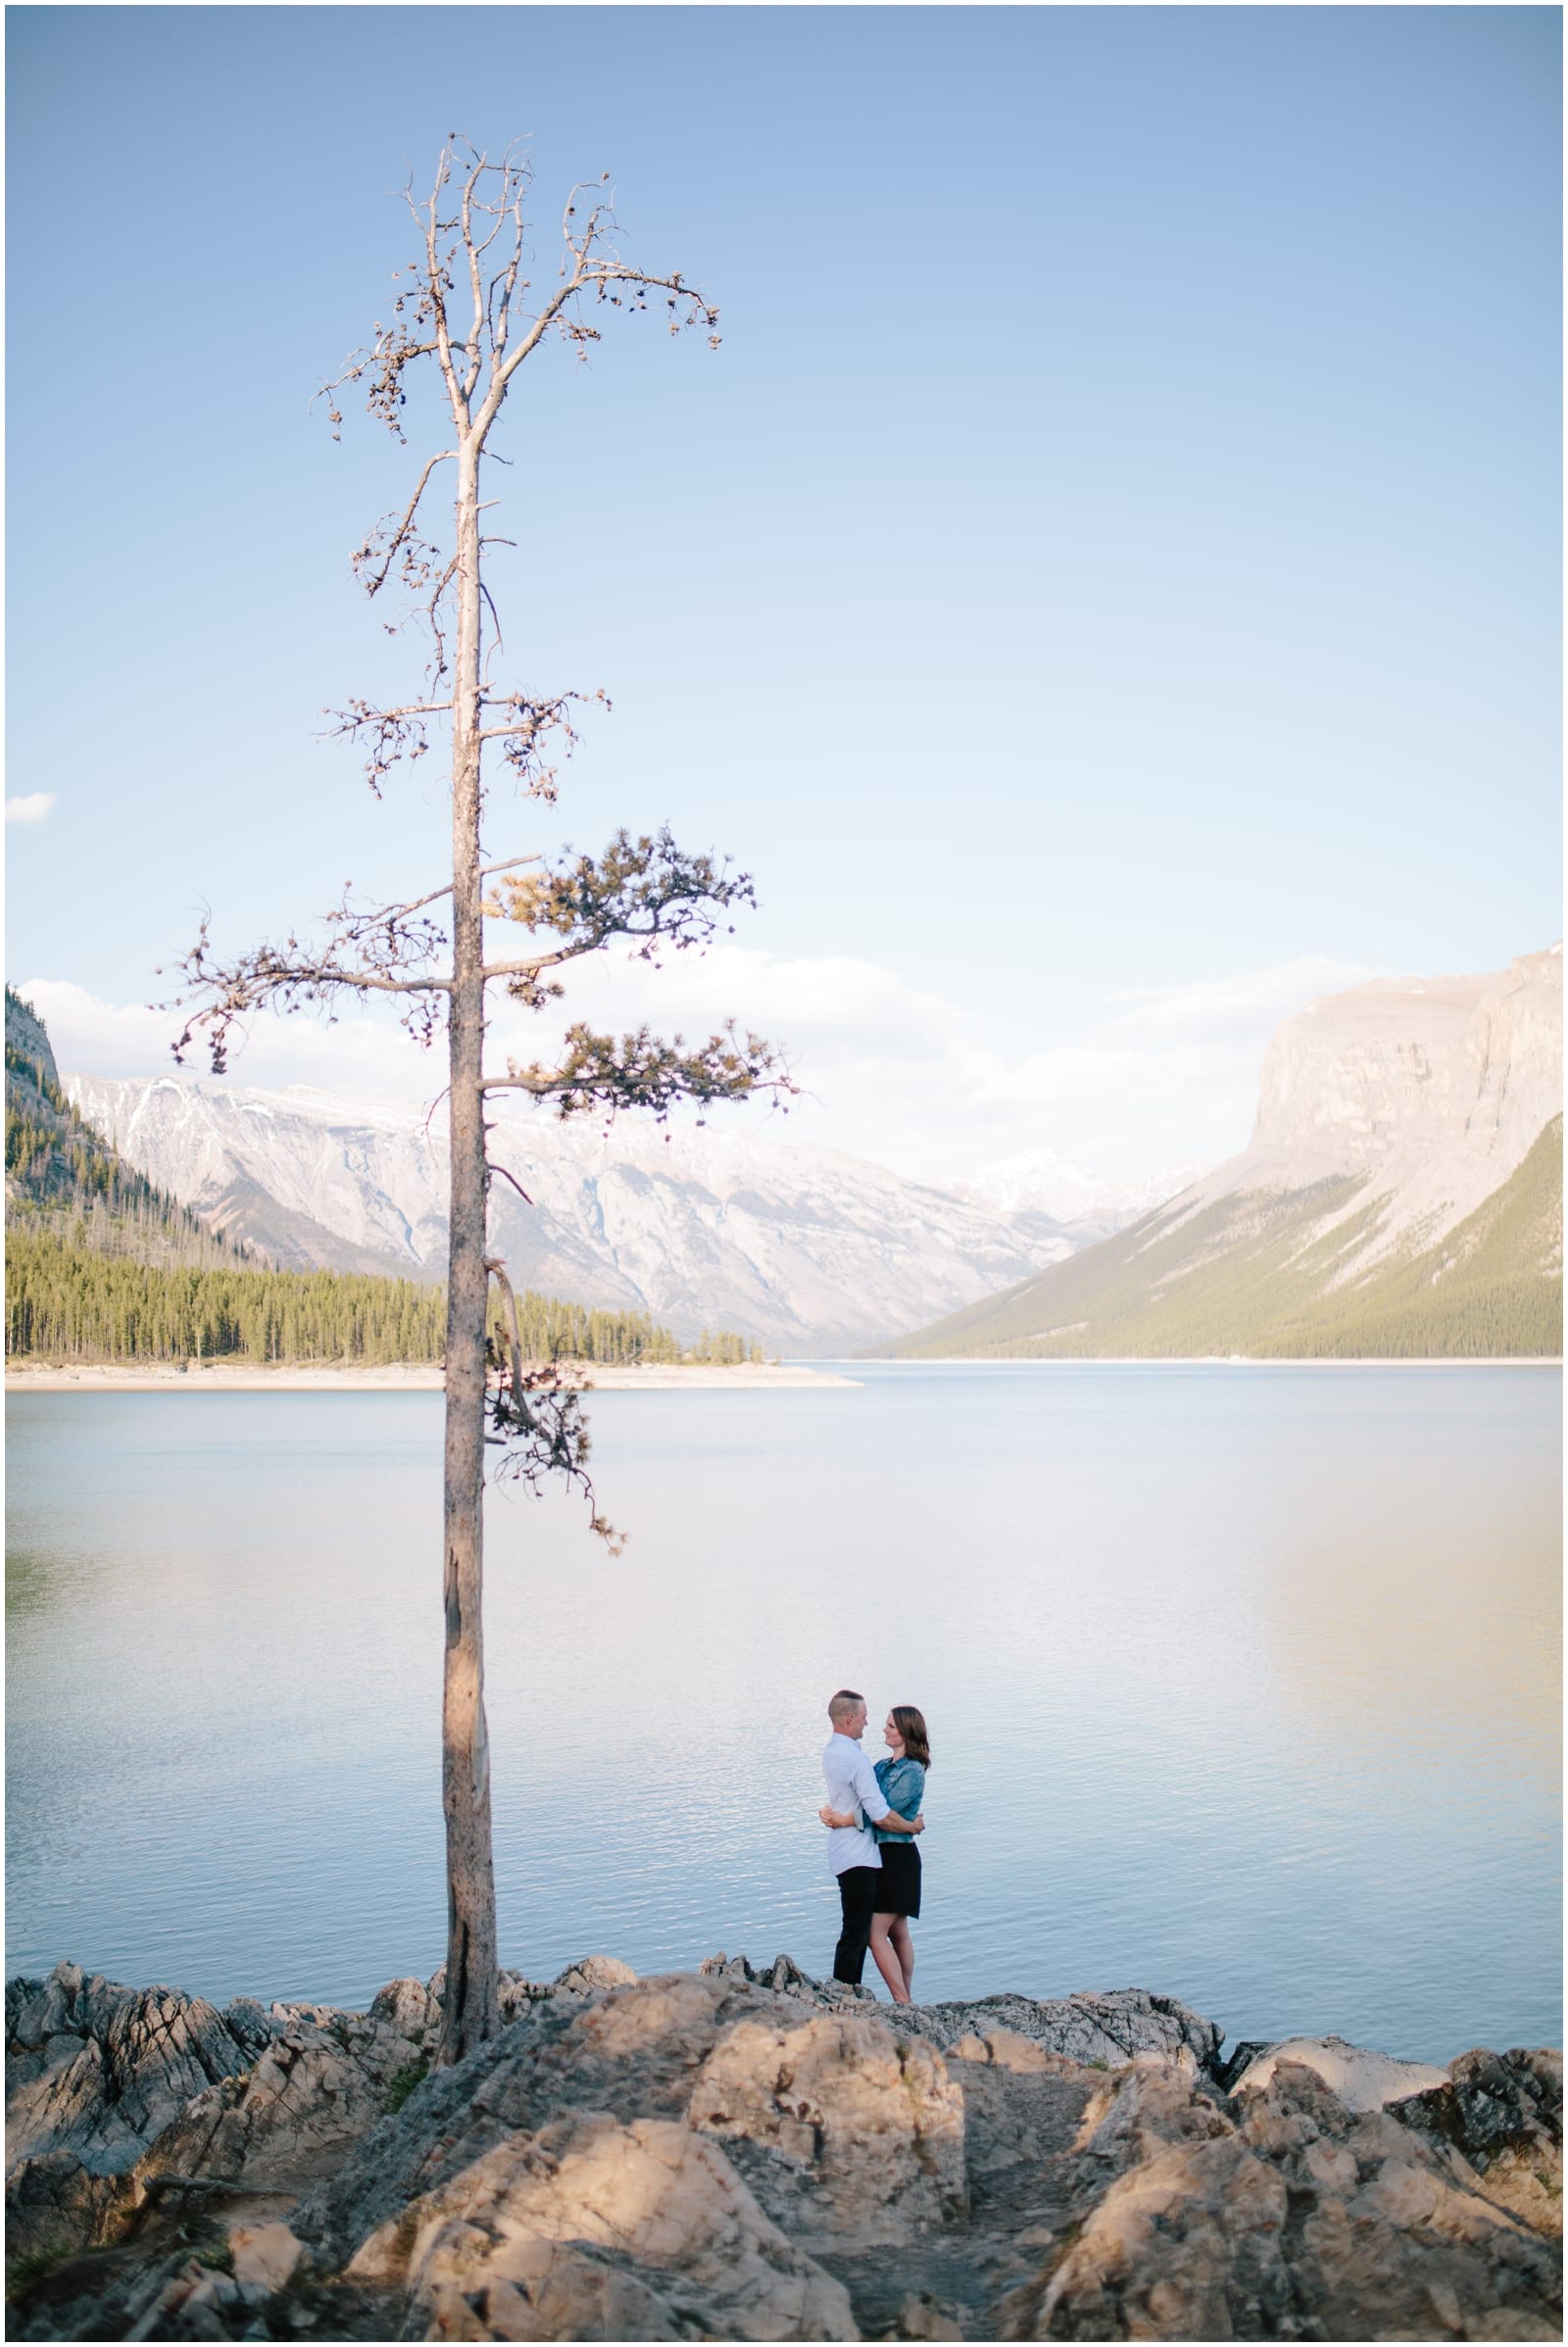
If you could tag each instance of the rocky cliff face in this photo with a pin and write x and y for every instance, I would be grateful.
(1401, 1197)
(63, 1179)
(735, 2155)
(1430, 1092)
(799, 1246)
(27, 1041)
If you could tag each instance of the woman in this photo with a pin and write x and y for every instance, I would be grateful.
(902, 1777)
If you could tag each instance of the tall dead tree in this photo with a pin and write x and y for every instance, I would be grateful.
(465, 309)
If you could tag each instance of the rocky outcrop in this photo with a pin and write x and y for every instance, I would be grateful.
(1503, 2111)
(757, 2155)
(27, 1042)
(841, 2128)
(99, 2070)
(1281, 2214)
(589, 2228)
(1435, 1088)
(121, 2099)
(1091, 2030)
(1361, 2080)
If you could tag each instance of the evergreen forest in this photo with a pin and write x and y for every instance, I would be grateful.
(66, 1302)
(101, 1266)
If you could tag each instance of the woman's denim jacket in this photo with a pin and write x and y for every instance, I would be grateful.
(903, 1783)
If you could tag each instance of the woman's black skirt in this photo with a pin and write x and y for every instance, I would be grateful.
(899, 1892)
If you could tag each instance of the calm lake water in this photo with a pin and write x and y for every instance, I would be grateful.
(1243, 1686)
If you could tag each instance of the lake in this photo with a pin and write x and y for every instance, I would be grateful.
(1243, 1686)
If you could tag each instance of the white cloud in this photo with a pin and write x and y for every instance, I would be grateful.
(1171, 1075)
(368, 1056)
(30, 807)
(894, 1072)
(1216, 1005)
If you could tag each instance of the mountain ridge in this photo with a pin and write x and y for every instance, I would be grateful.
(1401, 1197)
(64, 1179)
(796, 1245)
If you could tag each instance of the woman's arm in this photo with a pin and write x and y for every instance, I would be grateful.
(891, 1823)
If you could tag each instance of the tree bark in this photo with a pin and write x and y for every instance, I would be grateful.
(470, 2011)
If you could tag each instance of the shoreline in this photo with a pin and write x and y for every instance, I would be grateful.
(1226, 1360)
(400, 1376)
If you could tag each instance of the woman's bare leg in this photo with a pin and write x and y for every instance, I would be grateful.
(886, 1962)
(904, 1950)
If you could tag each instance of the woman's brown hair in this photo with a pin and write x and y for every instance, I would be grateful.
(910, 1724)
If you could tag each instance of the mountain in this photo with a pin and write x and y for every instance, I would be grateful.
(1039, 1182)
(1401, 1194)
(101, 1265)
(799, 1247)
(64, 1179)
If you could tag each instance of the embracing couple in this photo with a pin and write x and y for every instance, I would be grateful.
(875, 1813)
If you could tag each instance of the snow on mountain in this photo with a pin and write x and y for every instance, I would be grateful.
(799, 1246)
(1039, 1182)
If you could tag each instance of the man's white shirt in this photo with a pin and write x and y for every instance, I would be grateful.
(852, 1785)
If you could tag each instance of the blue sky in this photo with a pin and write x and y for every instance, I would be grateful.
(1105, 586)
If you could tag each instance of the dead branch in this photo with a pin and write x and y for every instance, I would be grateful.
(538, 1421)
(364, 953)
(373, 583)
(510, 1177)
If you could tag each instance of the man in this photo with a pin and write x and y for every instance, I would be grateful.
(852, 1853)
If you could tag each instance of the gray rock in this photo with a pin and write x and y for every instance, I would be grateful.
(786, 1977)
(1504, 2114)
(408, 2008)
(116, 2065)
(49, 2010)
(290, 2119)
(54, 2207)
(1289, 2216)
(1362, 2078)
(519, 2245)
(633, 2050)
(22, 1992)
(39, 2010)
(593, 1972)
(736, 2154)
(1094, 2031)
(838, 2127)
(263, 2255)
(1089, 2029)
(251, 2024)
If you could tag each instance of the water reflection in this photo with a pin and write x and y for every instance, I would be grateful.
(1410, 1604)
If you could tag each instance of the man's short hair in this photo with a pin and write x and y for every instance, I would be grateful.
(844, 1706)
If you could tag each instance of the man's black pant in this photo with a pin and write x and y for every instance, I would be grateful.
(857, 1890)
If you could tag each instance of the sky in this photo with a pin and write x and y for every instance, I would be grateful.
(1106, 585)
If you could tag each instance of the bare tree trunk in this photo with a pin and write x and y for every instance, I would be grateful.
(471, 2013)
(641, 890)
